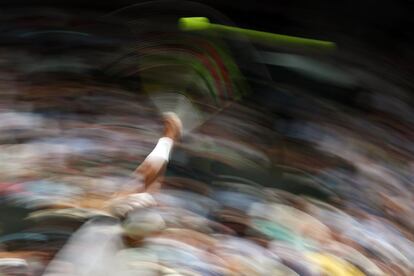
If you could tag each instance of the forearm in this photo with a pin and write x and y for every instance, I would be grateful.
(156, 162)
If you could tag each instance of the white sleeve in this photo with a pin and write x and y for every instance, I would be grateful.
(90, 251)
(163, 149)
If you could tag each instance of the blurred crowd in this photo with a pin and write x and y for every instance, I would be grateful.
(338, 199)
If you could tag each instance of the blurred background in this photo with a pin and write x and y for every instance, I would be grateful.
(296, 155)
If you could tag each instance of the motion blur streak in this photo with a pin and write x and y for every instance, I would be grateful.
(150, 140)
(202, 23)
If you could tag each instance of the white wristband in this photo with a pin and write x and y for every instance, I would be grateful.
(163, 149)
